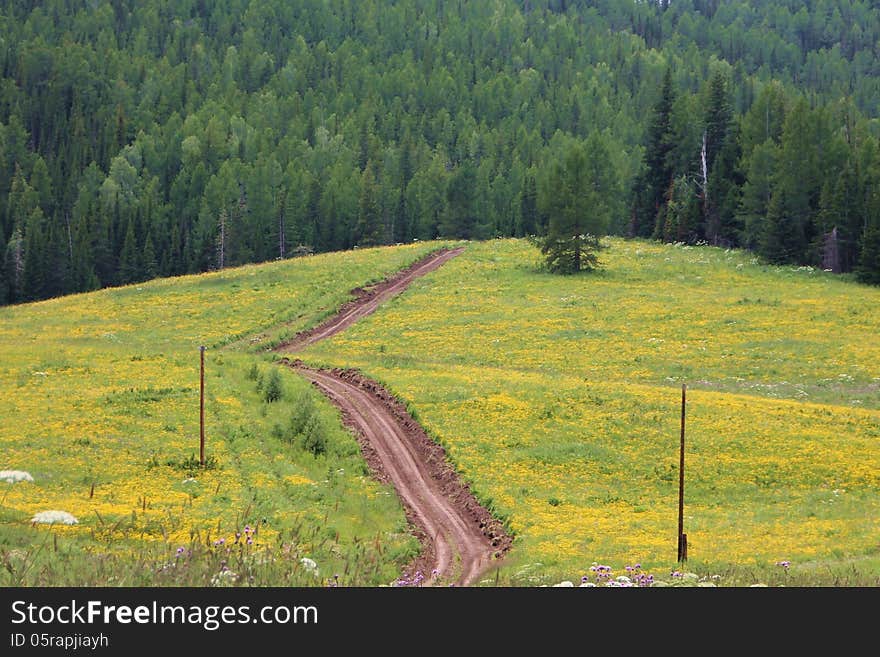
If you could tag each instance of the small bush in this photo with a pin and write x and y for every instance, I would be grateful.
(273, 391)
(314, 438)
(303, 412)
(253, 373)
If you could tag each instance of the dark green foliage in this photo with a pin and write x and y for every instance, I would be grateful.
(304, 427)
(576, 196)
(4, 283)
(314, 436)
(652, 186)
(868, 270)
(314, 126)
(272, 388)
(304, 409)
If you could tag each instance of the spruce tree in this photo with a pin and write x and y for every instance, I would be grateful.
(15, 265)
(129, 267)
(783, 238)
(35, 266)
(576, 197)
(4, 284)
(528, 206)
(655, 181)
(369, 221)
(868, 269)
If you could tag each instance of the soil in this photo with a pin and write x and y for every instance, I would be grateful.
(367, 300)
(460, 538)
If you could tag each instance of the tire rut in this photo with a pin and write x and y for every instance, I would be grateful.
(460, 539)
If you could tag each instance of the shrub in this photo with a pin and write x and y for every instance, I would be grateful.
(314, 437)
(273, 391)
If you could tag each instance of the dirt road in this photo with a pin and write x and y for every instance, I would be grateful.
(460, 538)
(367, 300)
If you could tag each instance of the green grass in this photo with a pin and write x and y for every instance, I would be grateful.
(558, 398)
(99, 401)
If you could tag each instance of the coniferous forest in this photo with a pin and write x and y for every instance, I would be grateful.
(141, 139)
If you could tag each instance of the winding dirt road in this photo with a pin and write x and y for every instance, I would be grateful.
(368, 300)
(460, 538)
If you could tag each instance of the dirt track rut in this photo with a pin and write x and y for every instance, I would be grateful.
(460, 538)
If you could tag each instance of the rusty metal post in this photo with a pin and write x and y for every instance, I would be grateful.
(682, 537)
(202, 407)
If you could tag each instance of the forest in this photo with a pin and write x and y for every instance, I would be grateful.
(141, 139)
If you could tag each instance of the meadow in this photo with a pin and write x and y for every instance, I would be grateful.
(99, 404)
(558, 399)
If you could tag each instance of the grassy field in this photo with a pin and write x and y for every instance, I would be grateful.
(559, 398)
(99, 403)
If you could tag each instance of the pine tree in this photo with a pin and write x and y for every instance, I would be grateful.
(783, 239)
(151, 266)
(459, 219)
(82, 274)
(719, 165)
(652, 185)
(129, 267)
(4, 281)
(868, 268)
(528, 207)
(757, 190)
(35, 261)
(369, 222)
(576, 198)
(15, 265)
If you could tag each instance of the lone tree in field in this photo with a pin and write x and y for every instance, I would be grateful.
(576, 196)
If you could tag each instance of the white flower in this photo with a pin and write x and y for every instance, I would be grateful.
(589, 585)
(564, 584)
(13, 476)
(224, 578)
(309, 564)
(624, 579)
(53, 517)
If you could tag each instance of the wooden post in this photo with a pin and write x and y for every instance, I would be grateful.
(682, 537)
(202, 407)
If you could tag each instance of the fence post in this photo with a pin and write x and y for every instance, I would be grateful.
(202, 407)
(682, 537)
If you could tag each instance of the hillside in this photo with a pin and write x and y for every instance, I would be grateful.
(99, 402)
(558, 398)
(153, 139)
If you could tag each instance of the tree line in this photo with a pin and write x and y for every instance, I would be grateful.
(145, 139)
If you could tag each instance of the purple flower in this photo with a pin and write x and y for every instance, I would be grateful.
(180, 551)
